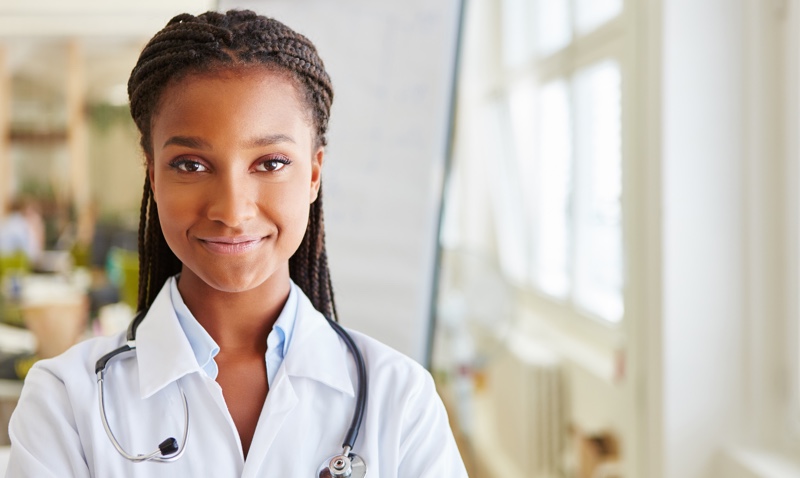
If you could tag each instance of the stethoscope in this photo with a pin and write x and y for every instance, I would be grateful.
(344, 465)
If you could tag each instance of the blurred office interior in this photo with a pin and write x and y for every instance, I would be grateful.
(618, 277)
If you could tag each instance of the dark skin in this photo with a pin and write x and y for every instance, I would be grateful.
(234, 168)
(241, 359)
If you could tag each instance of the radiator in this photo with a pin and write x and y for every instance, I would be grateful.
(528, 401)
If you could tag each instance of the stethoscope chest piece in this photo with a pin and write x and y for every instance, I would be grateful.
(343, 466)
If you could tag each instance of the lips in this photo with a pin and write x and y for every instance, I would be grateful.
(231, 245)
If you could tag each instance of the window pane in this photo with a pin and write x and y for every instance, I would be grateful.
(515, 31)
(553, 186)
(501, 168)
(522, 108)
(552, 25)
(598, 221)
(590, 14)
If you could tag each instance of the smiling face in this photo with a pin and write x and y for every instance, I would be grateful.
(233, 170)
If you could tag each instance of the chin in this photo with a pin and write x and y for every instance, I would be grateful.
(233, 280)
(235, 284)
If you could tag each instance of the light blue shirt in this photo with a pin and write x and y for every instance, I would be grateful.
(205, 348)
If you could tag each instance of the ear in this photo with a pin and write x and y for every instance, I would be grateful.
(316, 173)
(151, 175)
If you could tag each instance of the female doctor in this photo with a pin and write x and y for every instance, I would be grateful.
(234, 361)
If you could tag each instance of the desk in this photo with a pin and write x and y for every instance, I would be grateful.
(55, 309)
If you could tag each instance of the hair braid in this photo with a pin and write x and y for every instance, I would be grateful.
(309, 265)
(143, 256)
(156, 260)
(210, 42)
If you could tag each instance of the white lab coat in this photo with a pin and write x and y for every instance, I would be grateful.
(56, 429)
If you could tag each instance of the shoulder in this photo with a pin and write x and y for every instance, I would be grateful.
(383, 357)
(378, 357)
(74, 367)
(86, 351)
(392, 374)
(55, 387)
(50, 429)
(405, 409)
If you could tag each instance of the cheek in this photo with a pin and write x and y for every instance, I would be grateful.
(295, 209)
(174, 210)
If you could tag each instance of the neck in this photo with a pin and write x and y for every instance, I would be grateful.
(239, 322)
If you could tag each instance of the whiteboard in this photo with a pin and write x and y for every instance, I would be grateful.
(393, 65)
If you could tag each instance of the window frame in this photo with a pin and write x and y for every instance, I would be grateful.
(606, 42)
(771, 356)
(789, 327)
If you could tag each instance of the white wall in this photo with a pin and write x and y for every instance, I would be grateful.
(703, 160)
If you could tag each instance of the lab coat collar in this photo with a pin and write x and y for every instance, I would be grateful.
(164, 354)
(316, 351)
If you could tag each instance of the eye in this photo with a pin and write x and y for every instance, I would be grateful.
(273, 164)
(188, 165)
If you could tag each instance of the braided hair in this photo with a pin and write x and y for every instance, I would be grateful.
(211, 42)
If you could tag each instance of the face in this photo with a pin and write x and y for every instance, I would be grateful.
(233, 171)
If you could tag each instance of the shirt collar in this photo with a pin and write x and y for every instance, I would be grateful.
(164, 353)
(280, 338)
(203, 346)
(206, 349)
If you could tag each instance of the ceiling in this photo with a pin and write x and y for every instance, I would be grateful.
(108, 35)
(88, 18)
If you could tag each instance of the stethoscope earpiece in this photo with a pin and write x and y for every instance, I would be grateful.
(169, 446)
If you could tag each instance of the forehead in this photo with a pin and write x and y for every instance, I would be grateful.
(235, 100)
(203, 83)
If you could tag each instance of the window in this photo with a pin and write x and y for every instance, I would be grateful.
(598, 189)
(562, 80)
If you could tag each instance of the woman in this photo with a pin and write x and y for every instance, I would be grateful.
(233, 110)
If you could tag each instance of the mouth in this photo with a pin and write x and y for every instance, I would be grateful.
(231, 245)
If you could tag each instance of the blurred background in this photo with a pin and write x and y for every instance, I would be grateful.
(616, 269)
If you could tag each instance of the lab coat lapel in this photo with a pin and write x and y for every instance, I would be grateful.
(315, 353)
(162, 350)
(281, 401)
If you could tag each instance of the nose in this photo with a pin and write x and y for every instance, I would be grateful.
(232, 201)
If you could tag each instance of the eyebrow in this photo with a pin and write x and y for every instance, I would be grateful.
(198, 143)
(188, 141)
(270, 139)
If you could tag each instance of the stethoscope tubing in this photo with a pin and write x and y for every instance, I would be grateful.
(130, 346)
(361, 395)
(156, 455)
